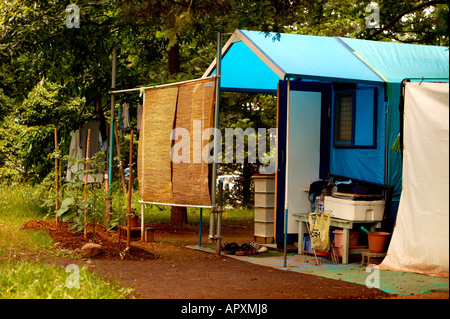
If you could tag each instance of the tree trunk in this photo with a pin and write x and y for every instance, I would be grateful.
(178, 216)
(174, 59)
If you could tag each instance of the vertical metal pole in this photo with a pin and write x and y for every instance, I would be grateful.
(285, 238)
(111, 131)
(219, 219)
(216, 141)
(200, 229)
(286, 198)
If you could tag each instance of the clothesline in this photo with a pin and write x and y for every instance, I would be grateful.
(141, 89)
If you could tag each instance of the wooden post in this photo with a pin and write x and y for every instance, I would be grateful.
(142, 222)
(130, 190)
(86, 182)
(107, 217)
(56, 175)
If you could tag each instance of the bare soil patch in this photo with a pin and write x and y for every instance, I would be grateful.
(165, 269)
(71, 241)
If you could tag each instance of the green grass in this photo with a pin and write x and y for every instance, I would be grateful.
(28, 280)
(230, 217)
(24, 277)
(19, 203)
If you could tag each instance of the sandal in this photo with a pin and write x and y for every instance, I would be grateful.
(230, 248)
(245, 250)
(263, 249)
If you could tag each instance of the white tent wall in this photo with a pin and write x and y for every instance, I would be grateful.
(420, 240)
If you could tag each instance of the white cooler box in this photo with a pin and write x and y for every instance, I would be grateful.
(358, 210)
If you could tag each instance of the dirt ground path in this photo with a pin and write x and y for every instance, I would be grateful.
(166, 269)
(226, 278)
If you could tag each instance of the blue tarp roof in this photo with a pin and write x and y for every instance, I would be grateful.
(256, 61)
(397, 61)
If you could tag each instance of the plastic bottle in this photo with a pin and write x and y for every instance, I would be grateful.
(321, 201)
(317, 205)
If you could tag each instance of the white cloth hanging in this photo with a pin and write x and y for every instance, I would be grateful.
(139, 116)
(126, 116)
(78, 147)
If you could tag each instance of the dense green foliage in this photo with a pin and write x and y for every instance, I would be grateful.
(56, 77)
(53, 76)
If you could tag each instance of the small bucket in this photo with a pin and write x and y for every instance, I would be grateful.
(377, 241)
(339, 238)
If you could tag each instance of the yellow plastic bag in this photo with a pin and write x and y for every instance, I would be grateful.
(320, 232)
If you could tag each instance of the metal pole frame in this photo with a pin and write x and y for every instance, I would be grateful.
(158, 86)
(286, 203)
(212, 236)
(200, 228)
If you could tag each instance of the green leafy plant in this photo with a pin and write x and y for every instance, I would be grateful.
(83, 203)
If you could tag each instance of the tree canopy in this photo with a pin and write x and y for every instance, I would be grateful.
(52, 74)
(159, 38)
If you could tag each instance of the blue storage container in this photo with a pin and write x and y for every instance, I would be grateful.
(307, 244)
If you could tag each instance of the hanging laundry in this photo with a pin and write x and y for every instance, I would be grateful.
(139, 116)
(78, 147)
(126, 116)
(103, 136)
(120, 119)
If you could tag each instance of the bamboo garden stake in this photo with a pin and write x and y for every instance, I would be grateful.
(56, 175)
(86, 182)
(107, 198)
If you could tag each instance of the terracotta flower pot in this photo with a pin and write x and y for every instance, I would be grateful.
(339, 238)
(377, 241)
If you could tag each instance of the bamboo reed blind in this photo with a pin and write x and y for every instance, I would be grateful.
(165, 109)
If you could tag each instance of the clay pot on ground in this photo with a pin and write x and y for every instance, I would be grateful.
(377, 241)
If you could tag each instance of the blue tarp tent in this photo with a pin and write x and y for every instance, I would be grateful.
(314, 77)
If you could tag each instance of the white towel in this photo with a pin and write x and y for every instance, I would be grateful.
(126, 116)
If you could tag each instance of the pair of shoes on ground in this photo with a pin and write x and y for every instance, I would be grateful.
(230, 248)
(259, 248)
(238, 250)
(246, 250)
(252, 248)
